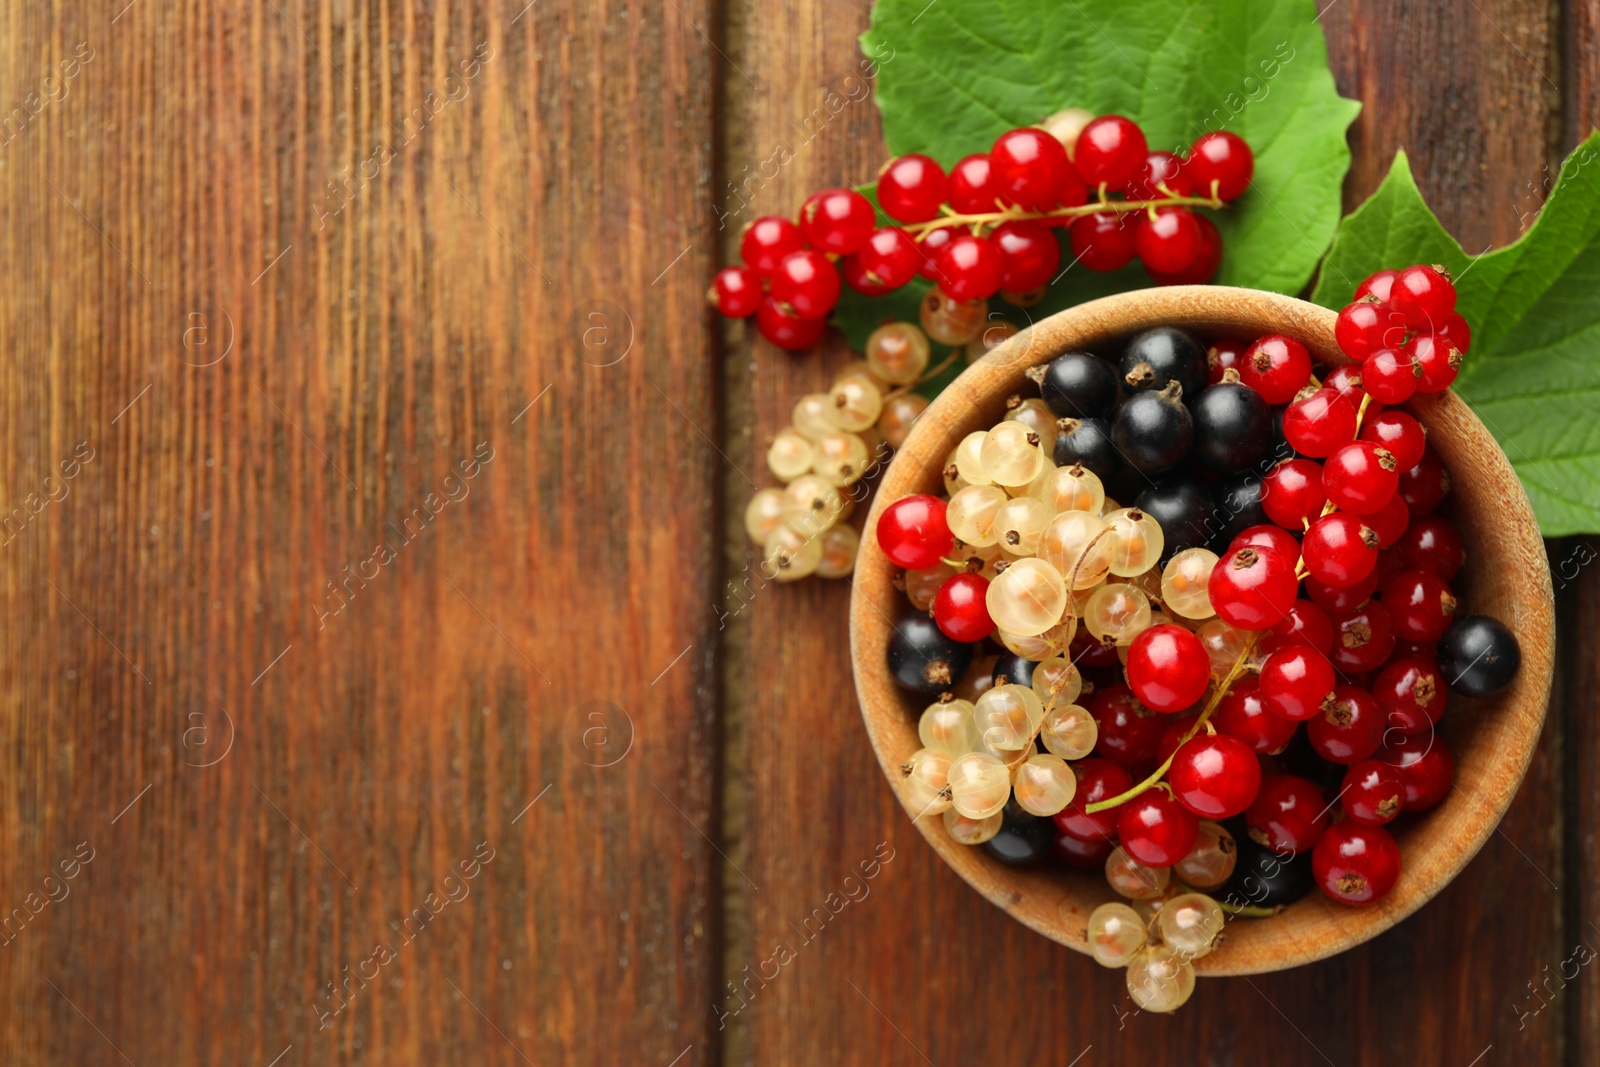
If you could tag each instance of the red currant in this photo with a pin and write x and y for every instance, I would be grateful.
(1243, 715)
(786, 330)
(1424, 295)
(1155, 829)
(1030, 168)
(889, 260)
(1264, 536)
(972, 186)
(1371, 793)
(1306, 624)
(1168, 668)
(1102, 241)
(1029, 255)
(932, 245)
(1292, 494)
(1356, 864)
(1455, 330)
(766, 241)
(1169, 241)
(1400, 433)
(1340, 599)
(1425, 766)
(1288, 815)
(1220, 164)
(1296, 681)
(911, 188)
(1389, 522)
(806, 282)
(1277, 367)
(913, 533)
(1389, 565)
(1425, 485)
(960, 609)
(1360, 477)
(1130, 733)
(1084, 855)
(1215, 776)
(837, 220)
(1160, 169)
(1345, 380)
(1319, 423)
(1174, 735)
(1362, 639)
(1361, 328)
(1411, 693)
(736, 292)
(1391, 376)
(969, 268)
(1339, 549)
(1253, 588)
(1349, 728)
(1420, 606)
(1205, 263)
(1110, 152)
(1433, 544)
(1088, 652)
(1439, 360)
(1378, 285)
(1221, 356)
(1098, 779)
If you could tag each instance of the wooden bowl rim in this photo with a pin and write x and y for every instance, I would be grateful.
(1492, 759)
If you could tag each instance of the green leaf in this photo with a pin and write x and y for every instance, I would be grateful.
(1531, 374)
(953, 76)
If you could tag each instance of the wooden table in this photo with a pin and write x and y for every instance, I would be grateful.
(394, 628)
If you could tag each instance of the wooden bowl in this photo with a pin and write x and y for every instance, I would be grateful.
(1506, 576)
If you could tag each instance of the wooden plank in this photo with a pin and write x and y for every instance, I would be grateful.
(922, 968)
(429, 231)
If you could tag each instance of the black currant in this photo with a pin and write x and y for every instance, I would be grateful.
(1232, 427)
(1263, 878)
(1077, 386)
(1183, 508)
(1125, 482)
(1023, 839)
(1086, 441)
(1013, 670)
(1164, 355)
(1153, 429)
(923, 659)
(1477, 656)
(1238, 507)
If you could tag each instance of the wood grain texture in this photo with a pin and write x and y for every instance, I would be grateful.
(429, 233)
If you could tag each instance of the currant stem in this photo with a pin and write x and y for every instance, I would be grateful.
(1232, 676)
(1015, 214)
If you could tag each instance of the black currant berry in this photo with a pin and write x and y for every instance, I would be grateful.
(1183, 508)
(1238, 508)
(1164, 355)
(1153, 430)
(1086, 441)
(1263, 878)
(1232, 427)
(1125, 482)
(1077, 386)
(1013, 670)
(1478, 656)
(923, 659)
(1023, 839)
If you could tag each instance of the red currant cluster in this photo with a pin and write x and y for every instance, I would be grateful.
(987, 226)
(1323, 598)
(1404, 331)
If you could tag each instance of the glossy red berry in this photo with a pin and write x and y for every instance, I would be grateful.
(1296, 681)
(1371, 793)
(912, 188)
(736, 292)
(1411, 693)
(1088, 652)
(1360, 477)
(1348, 727)
(889, 260)
(1306, 624)
(1288, 815)
(1389, 522)
(1130, 733)
(1378, 285)
(1345, 380)
(1439, 361)
(1389, 565)
(1030, 168)
(785, 329)
(1169, 242)
(969, 268)
(1220, 164)
(1243, 715)
(1102, 241)
(1424, 295)
(807, 282)
(1391, 376)
(1400, 433)
(1336, 599)
(1277, 367)
(1203, 267)
(1083, 855)
(766, 241)
(1110, 151)
(1168, 668)
(1274, 537)
(1160, 177)
(1253, 588)
(1433, 544)
(837, 220)
(932, 246)
(1355, 864)
(1362, 328)
(1156, 830)
(1215, 776)
(1316, 425)
(913, 532)
(1339, 549)
(1292, 494)
(1029, 255)
(1424, 486)
(1424, 763)
(972, 186)
(1363, 638)
(960, 609)
(1098, 779)
(1221, 356)
(1176, 733)
(1420, 605)
(1456, 330)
